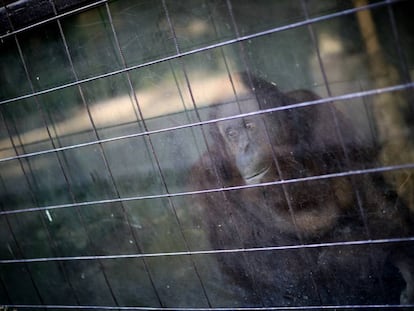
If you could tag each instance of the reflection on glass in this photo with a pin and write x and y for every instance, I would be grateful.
(123, 149)
(197, 23)
(251, 17)
(91, 43)
(140, 31)
(45, 57)
(13, 78)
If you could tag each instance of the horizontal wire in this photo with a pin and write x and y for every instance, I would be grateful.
(212, 252)
(206, 48)
(56, 17)
(328, 307)
(206, 252)
(214, 190)
(348, 96)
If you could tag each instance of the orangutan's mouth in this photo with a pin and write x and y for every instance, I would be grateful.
(257, 177)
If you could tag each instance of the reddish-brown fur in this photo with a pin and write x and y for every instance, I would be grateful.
(305, 142)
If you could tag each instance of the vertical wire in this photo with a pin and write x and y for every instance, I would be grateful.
(53, 244)
(140, 120)
(248, 71)
(152, 148)
(19, 249)
(187, 113)
(170, 202)
(335, 119)
(79, 214)
(250, 268)
(397, 45)
(43, 117)
(136, 113)
(403, 61)
(368, 112)
(401, 55)
(220, 182)
(180, 93)
(187, 81)
(33, 199)
(80, 90)
(275, 159)
(5, 291)
(2, 282)
(148, 145)
(340, 137)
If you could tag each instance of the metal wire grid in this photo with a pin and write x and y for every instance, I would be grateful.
(147, 133)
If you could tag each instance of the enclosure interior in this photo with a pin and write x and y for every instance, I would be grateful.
(105, 107)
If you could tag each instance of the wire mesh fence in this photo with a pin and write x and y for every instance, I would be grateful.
(122, 182)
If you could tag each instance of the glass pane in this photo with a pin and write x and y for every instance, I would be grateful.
(26, 125)
(12, 71)
(123, 275)
(44, 45)
(142, 31)
(90, 284)
(136, 165)
(20, 286)
(256, 16)
(169, 274)
(137, 160)
(87, 174)
(15, 190)
(91, 43)
(197, 23)
(405, 35)
(320, 8)
(52, 290)
(68, 120)
(350, 63)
